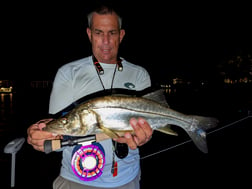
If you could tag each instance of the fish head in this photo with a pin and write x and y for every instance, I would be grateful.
(58, 126)
(65, 125)
(75, 123)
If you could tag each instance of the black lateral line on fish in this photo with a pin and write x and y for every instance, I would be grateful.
(143, 111)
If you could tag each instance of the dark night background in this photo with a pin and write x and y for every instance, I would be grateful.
(185, 40)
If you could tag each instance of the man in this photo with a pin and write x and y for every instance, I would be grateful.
(101, 71)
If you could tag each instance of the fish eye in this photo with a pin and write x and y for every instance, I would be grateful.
(64, 120)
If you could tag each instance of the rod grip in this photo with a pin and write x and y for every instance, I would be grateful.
(51, 145)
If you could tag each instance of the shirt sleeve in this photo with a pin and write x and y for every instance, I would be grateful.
(143, 80)
(61, 94)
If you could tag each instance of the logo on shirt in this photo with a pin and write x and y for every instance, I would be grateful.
(129, 85)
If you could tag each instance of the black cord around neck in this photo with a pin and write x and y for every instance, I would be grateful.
(100, 71)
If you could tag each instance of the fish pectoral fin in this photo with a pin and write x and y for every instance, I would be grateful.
(104, 129)
(167, 130)
(109, 132)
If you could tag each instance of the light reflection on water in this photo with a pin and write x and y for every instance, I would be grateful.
(6, 105)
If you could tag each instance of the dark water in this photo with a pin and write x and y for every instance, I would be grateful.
(167, 161)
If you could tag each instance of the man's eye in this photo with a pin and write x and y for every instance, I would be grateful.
(96, 32)
(113, 32)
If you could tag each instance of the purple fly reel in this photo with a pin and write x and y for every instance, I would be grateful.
(88, 162)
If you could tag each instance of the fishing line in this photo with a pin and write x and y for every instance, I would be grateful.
(215, 130)
(228, 125)
(144, 157)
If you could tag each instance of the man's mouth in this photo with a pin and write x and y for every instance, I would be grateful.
(105, 50)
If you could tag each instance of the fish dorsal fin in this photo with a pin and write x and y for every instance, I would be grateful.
(157, 96)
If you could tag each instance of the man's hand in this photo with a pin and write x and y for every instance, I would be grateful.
(143, 133)
(36, 136)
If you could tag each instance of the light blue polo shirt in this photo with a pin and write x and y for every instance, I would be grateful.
(78, 79)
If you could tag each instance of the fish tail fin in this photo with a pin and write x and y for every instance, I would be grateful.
(197, 130)
(206, 122)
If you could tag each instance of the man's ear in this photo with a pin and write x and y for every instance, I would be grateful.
(122, 34)
(89, 33)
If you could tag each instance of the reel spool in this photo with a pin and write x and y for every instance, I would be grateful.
(88, 162)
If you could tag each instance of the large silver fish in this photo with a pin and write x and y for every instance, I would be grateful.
(111, 115)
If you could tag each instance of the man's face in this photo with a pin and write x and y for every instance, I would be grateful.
(105, 37)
